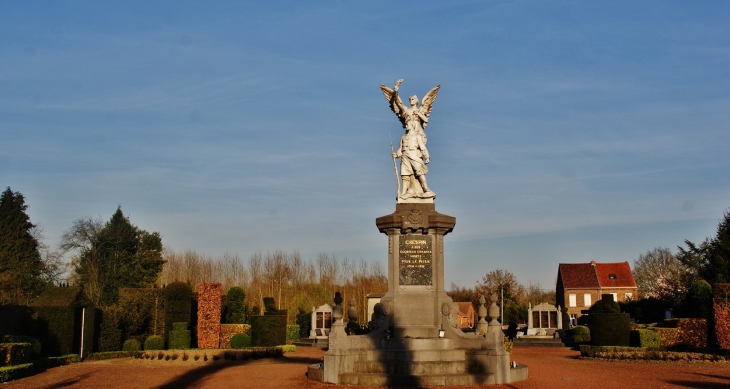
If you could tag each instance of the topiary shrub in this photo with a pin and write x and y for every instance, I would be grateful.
(608, 326)
(154, 342)
(292, 332)
(268, 330)
(581, 334)
(240, 341)
(131, 345)
(235, 306)
(179, 337)
(178, 305)
(644, 338)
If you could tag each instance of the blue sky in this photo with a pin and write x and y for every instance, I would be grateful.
(563, 131)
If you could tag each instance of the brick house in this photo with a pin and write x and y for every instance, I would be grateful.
(581, 285)
(467, 316)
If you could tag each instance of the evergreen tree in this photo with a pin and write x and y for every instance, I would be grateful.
(21, 267)
(710, 260)
(119, 255)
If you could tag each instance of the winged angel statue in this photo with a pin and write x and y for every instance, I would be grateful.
(412, 149)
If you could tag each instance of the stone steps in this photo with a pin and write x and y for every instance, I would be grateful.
(414, 363)
(411, 368)
(423, 380)
(415, 355)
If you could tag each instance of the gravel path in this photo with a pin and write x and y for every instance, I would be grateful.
(557, 368)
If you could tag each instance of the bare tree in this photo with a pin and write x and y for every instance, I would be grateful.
(658, 273)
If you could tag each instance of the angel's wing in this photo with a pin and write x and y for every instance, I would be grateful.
(396, 105)
(427, 102)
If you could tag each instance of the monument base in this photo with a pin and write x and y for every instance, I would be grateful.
(417, 342)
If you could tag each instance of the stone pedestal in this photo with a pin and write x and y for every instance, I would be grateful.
(417, 343)
(415, 268)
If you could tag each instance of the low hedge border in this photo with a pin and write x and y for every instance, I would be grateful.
(213, 355)
(100, 356)
(643, 353)
(10, 373)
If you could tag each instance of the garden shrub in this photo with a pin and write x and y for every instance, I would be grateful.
(142, 312)
(131, 345)
(268, 330)
(645, 338)
(227, 332)
(292, 332)
(110, 331)
(235, 310)
(178, 304)
(154, 342)
(14, 353)
(179, 338)
(240, 341)
(608, 327)
(288, 348)
(35, 344)
(304, 320)
(58, 309)
(581, 334)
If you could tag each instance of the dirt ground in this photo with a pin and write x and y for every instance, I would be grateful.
(548, 368)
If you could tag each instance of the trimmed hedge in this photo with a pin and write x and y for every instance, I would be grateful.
(154, 342)
(227, 332)
(235, 309)
(581, 334)
(645, 338)
(14, 353)
(110, 330)
(179, 338)
(610, 329)
(113, 355)
(143, 312)
(288, 348)
(240, 341)
(292, 332)
(10, 373)
(131, 345)
(35, 344)
(178, 305)
(268, 330)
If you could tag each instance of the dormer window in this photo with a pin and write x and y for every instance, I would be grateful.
(612, 276)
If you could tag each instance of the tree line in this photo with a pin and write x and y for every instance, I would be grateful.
(683, 280)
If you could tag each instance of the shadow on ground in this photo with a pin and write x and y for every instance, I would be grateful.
(193, 376)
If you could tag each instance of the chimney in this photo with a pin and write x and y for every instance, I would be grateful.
(593, 263)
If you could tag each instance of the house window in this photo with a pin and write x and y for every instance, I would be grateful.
(587, 300)
(612, 276)
(571, 301)
(628, 296)
(573, 320)
(615, 297)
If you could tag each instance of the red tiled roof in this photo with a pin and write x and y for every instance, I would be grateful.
(621, 271)
(464, 307)
(578, 276)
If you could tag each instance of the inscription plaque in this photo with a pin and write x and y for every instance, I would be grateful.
(414, 260)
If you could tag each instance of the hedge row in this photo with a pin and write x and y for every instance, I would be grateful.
(645, 338)
(9, 373)
(209, 314)
(721, 305)
(268, 330)
(15, 353)
(227, 332)
(640, 353)
(212, 355)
